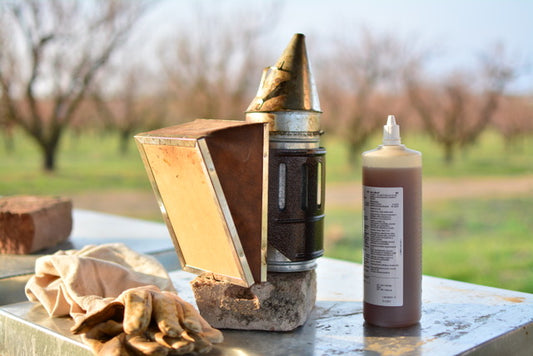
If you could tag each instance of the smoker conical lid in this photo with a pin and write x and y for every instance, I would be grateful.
(289, 85)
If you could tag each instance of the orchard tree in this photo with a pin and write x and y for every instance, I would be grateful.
(514, 119)
(214, 67)
(131, 105)
(360, 84)
(457, 110)
(51, 52)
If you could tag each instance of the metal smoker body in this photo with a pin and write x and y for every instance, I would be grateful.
(287, 99)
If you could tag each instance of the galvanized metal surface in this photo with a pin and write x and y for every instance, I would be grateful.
(458, 319)
(26, 330)
(287, 99)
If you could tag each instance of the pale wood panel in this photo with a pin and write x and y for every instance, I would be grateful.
(192, 208)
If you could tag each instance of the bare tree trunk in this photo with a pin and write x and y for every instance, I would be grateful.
(454, 113)
(124, 142)
(9, 142)
(67, 43)
(49, 158)
(354, 153)
(449, 153)
(49, 148)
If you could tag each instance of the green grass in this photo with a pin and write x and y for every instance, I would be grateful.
(485, 241)
(91, 161)
(87, 162)
(343, 234)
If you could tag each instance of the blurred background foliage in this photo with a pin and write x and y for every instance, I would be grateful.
(79, 78)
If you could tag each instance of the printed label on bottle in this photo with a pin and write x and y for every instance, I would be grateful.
(383, 245)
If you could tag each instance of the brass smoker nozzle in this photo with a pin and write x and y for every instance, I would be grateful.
(288, 85)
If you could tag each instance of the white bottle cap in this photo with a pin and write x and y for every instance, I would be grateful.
(391, 132)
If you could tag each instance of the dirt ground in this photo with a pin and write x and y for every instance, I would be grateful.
(444, 188)
(144, 205)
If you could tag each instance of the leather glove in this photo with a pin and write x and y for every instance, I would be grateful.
(147, 321)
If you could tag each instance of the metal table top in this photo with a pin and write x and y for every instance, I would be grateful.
(457, 319)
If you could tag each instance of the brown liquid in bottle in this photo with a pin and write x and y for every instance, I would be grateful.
(392, 185)
(410, 180)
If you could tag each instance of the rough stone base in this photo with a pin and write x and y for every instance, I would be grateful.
(283, 303)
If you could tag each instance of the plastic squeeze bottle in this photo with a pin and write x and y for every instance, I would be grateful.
(392, 229)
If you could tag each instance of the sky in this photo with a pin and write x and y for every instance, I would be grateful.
(460, 29)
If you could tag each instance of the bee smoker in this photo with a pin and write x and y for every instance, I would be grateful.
(287, 99)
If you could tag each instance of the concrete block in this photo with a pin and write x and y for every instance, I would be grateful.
(283, 303)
